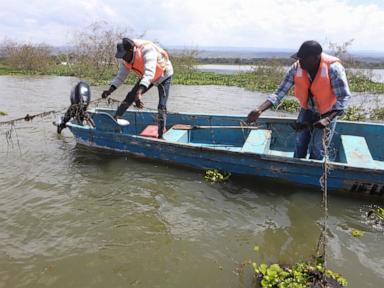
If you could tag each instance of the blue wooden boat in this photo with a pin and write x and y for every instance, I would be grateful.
(219, 142)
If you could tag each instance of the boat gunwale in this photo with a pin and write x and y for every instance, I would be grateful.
(273, 119)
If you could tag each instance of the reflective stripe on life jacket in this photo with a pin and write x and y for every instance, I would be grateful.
(321, 88)
(138, 65)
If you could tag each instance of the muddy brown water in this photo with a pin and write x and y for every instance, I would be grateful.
(71, 217)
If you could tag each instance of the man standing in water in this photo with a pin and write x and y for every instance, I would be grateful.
(151, 63)
(321, 86)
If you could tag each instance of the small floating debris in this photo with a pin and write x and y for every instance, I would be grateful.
(3, 113)
(357, 233)
(376, 214)
(215, 176)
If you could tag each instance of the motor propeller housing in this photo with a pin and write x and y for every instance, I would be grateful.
(81, 94)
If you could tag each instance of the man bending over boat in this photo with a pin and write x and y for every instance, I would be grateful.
(321, 86)
(151, 63)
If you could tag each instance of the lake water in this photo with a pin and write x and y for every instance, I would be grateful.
(71, 217)
(377, 75)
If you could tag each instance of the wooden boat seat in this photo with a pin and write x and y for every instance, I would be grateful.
(105, 122)
(355, 151)
(258, 141)
(175, 135)
(150, 131)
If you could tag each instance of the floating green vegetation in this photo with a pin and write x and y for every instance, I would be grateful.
(360, 83)
(3, 113)
(7, 70)
(377, 114)
(376, 214)
(289, 105)
(263, 79)
(354, 113)
(357, 233)
(300, 275)
(214, 176)
(254, 81)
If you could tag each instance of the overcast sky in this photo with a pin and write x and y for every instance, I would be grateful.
(199, 23)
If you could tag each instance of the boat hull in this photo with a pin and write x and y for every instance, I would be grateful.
(300, 171)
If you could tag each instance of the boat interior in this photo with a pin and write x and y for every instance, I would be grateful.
(354, 143)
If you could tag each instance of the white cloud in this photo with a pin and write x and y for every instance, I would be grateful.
(250, 23)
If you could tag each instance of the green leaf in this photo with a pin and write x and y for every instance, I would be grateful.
(263, 268)
(254, 266)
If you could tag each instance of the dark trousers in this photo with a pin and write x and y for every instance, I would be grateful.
(311, 138)
(163, 89)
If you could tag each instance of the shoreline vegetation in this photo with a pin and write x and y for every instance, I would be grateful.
(262, 78)
(91, 58)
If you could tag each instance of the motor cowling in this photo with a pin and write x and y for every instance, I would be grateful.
(81, 94)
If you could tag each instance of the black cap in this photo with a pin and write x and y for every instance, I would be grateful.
(123, 47)
(308, 48)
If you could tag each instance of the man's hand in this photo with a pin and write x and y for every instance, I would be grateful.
(139, 94)
(105, 94)
(60, 127)
(322, 123)
(108, 92)
(254, 115)
(138, 102)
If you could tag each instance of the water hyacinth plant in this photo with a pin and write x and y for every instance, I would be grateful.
(376, 214)
(353, 113)
(377, 114)
(215, 176)
(289, 105)
(300, 275)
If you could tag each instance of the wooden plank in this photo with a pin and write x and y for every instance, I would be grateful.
(356, 151)
(190, 127)
(379, 164)
(281, 153)
(174, 135)
(258, 141)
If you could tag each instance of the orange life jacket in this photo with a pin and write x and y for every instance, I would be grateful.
(137, 64)
(323, 95)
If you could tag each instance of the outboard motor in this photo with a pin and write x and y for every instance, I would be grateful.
(81, 94)
(80, 98)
